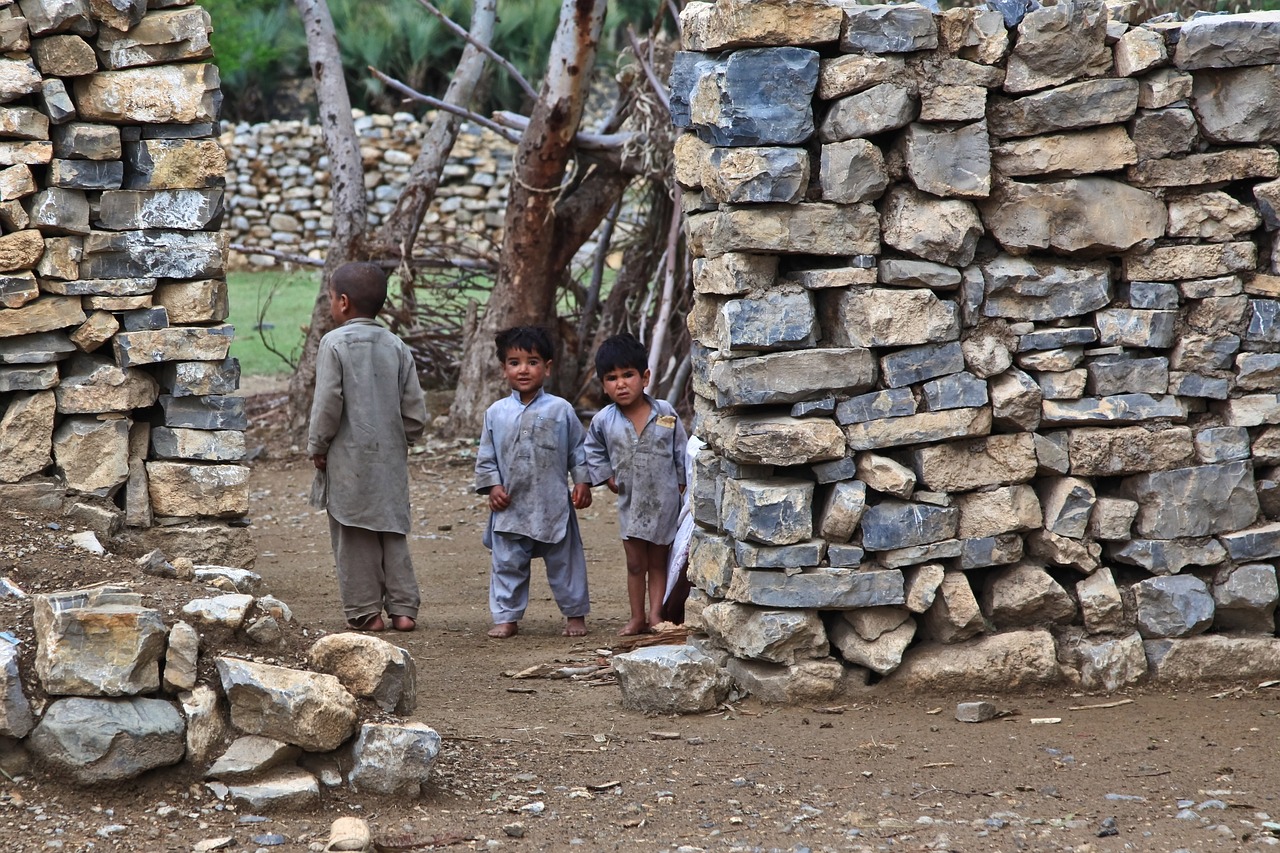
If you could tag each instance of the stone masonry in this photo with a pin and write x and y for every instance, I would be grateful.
(987, 328)
(114, 377)
(278, 185)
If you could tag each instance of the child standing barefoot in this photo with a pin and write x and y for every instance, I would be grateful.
(530, 445)
(368, 408)
(636, 446)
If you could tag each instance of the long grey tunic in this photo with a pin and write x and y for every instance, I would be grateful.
(648, 468)
(368, 409)
(529, 450)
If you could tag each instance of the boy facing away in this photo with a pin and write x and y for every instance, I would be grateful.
(636, 446)
(530, 445)
(368, 409)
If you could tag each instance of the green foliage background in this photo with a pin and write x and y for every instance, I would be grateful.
(260, 48)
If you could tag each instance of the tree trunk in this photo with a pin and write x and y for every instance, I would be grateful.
(531, 266)
(346, 181)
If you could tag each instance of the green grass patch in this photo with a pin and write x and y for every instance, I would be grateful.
(269, 311)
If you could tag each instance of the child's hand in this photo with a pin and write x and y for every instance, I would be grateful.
(321, 461)
(581, 496)
(612, 484)
(499, 499)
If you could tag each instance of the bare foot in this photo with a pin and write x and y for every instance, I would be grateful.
(403, 623)
(503, 630)
(575, 626)
(654, 620)
(371, 622)
(635, 626)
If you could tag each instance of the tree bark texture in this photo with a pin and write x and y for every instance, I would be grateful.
(346, 181)
(537, 243)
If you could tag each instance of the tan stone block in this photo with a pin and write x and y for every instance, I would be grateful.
(61, 258)
(20, 251)
(16, 182)
(92, 454)
(1101, 452)
(95, 331)
(26, 435)
(63, 56)
(1173, 263)
(1000, 510)
(1103, 149)
(999, 460)
(919, 428)
(166, 94)
(43, 315)
(183, 490)
(193, 301)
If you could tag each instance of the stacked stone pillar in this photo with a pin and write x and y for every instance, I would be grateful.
(986, 342)
(114, 373)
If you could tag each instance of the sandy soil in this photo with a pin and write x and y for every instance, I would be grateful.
(541, 764)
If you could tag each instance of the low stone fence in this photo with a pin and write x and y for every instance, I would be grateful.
(987, 344)
(118, 691)
(278, 185)
(114, 375)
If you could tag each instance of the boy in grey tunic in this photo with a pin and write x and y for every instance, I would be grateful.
(368, 408)
(530, 444)
(636, 446)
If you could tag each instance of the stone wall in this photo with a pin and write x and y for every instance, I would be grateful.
(988, 347)
(114, 375)
(278, 185)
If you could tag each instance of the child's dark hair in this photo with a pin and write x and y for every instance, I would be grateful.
(528, 338)
(363, 283)
(621, 351)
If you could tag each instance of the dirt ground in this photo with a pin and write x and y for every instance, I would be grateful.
(541, 764)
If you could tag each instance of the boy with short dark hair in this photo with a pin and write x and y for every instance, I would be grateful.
(368, 409)
(636, 446)
(530, 444)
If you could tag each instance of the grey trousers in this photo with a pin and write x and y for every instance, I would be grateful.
(375, 572)
(509, 577)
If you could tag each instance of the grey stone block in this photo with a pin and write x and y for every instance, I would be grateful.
(1117, 375)
(890, 403)
(1042, 339)
(1153, 295)
(918, 364)
(956, 391)
(895, 524)
(204, 412)
(1175, 606)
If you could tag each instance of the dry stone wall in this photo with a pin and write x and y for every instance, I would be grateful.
(278, 186)
(987, 351)
(115, 382)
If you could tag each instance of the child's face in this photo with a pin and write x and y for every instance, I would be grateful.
(625, 385)
(525, 371)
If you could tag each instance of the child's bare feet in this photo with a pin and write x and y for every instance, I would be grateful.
(403, 623)
(575, 626)
(635, 626)
(503, 630)
(370, 622)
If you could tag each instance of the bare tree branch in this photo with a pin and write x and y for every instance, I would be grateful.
(582, 139)
(646, 64)
(659, 341)
(502, 61)
(436, 103)
(401, 227)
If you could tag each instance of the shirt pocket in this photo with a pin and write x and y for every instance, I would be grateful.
(546, 437)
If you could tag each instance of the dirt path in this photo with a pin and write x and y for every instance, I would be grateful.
(556, 764)
(881, 770)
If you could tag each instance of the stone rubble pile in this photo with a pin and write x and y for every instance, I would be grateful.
(114, 374)
(987, 328)
(127, 694)
(278, 185)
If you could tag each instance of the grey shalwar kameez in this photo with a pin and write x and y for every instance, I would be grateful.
(649, 468)
(368, 408)
(530, 450)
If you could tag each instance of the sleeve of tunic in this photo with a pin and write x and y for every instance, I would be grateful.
(577, 449)
(680, 450)
(413, 406)
(326, 408)
(487, 473)
(597, 451)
